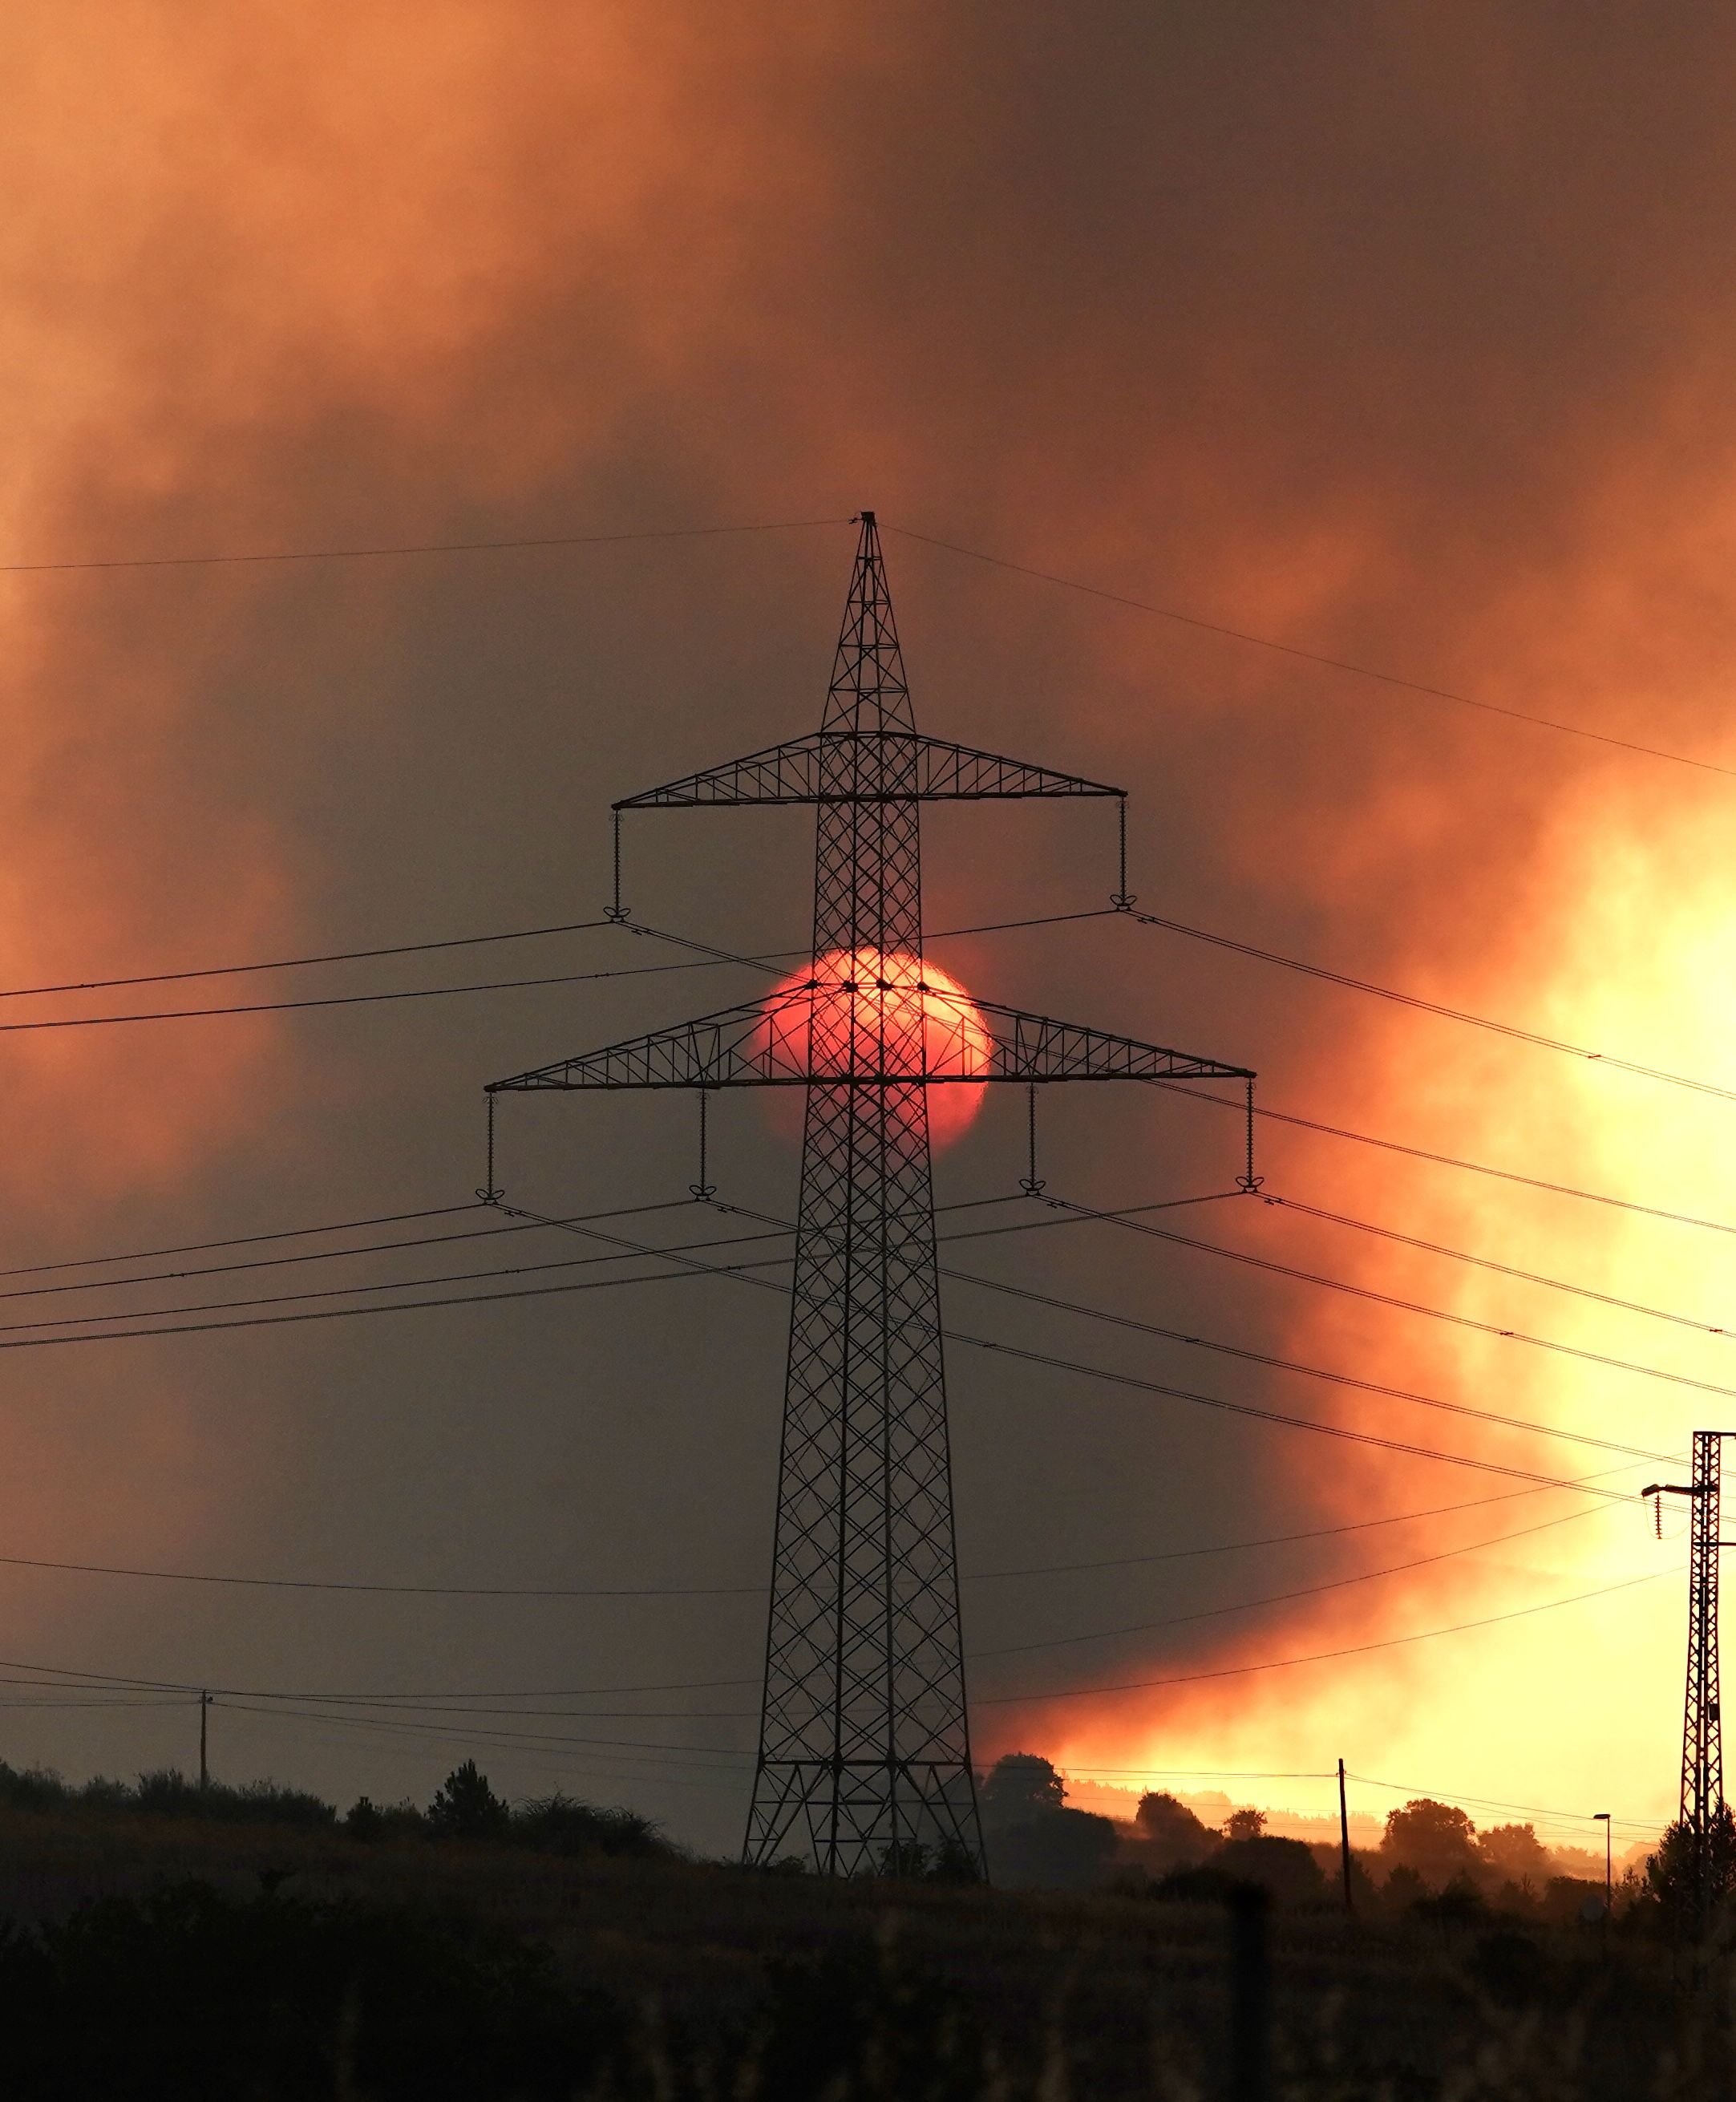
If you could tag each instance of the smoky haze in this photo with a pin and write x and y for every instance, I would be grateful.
(1399, 334)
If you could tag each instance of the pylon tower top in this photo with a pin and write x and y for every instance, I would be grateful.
(869, 691)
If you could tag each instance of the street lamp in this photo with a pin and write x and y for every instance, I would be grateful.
(1602, 1817)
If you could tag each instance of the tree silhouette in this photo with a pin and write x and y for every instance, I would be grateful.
(466, 1807)
(1019, 1787)
(1436, 1840)
(1175, 1835)
(1514, 1854)
(1245, 1825)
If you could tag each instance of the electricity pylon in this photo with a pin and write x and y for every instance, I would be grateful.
(1703, 1734)
(864, 1752)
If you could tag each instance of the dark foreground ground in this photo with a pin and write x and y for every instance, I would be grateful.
(163, 1957)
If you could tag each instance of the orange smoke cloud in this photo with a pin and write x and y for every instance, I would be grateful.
(1425, 382)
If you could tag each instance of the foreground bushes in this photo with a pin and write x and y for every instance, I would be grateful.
(188, 1995)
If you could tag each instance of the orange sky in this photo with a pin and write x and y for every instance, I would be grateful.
(1405, 337)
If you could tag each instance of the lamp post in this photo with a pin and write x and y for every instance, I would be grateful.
(1602, 1817)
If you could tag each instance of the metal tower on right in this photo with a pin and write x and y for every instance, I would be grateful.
(1703, 1740)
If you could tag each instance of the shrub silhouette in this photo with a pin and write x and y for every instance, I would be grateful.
(466, 1807)
(560, 1824)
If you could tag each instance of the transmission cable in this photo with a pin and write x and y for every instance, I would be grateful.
(1285, 1598)
(1271, 1115)
(495, 1232)
(691, 1265)
(299, 963)
(694, 1264)
(241, 1240)
(98, 1681)
(1310, 656)
(418, 548)
(1317, 1657)
(1250, 1356)
(1436, 1007)
(433, 992)
(1262, 1110)
(1268, 1196)
(751, 1590)
(1389, 1299)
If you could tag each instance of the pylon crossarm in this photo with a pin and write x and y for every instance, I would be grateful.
(1035, 1047)
(818, 1035)
(863, 766)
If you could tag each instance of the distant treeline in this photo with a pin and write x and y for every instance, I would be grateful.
(465, 1807)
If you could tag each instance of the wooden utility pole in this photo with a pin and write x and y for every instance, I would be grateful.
(205, 1771)
(1344, 1837)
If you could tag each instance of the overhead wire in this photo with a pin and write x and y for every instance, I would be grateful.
(741, 1273)
(1128, 1321)
(1033, 1694)
(376, 552)
(520, 543)
(426, 992)
(1266, 1113)
(1285, 1598)
(97, 1681)
(1270, 1197)
(1310, 656)
(241, 1240)
(521, 1591)
(1507, 1029)
(1404, 1305)
(299, 963)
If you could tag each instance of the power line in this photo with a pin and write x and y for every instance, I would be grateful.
(315, 1255)
(1252, 1356)
(102, 1681)
(1490, 1803)
(416, 547)
(1262, 1109)
(693, 1264)
(1274, 1540)
(329, 1000)
(240, 1240)
(1486, 1262)
(1313, 656)
(1445, 1160)
(1404, 1305)
(670, 1772)
(348, 1585)
(398, 1284)
(299, 963)
(1320, 1656)
(1285, 1598)
(428, 992)
(1434, 1007)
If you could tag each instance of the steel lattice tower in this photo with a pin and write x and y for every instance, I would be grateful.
(1702, 1733)
(864, 1755)
(1702, 1737)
